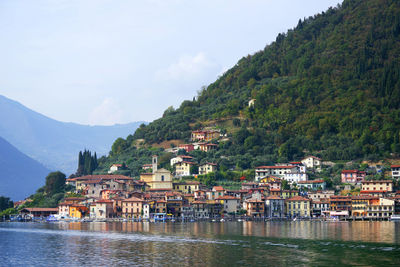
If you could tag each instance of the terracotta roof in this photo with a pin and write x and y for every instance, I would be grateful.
(253, 200)
(227, 198)
(275, 167)
(117, 165)
(102, 176)
(298, 198)
(275, 190)
(395, 166)
(104, 201)
(273, 197)
(41, 209)
(373, 191)
(133, 199)
(218, 188)
(353, 171)
(311, 182)
(377, 181)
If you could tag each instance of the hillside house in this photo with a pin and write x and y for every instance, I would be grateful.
(180, 158)
(395, 171)
(115, 167)
(205, 135)
(353, 176)
(312, 162)
(187, 147)
(182, 168)
(207, 167)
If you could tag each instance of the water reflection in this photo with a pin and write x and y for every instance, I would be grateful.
(188, 244)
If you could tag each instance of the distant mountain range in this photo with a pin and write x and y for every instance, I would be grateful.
(20, 175)
(53, 143)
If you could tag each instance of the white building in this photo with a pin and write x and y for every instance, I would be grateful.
(115, 167)
(291, 173)
(180, 158)
(395, 171)
(312, 162)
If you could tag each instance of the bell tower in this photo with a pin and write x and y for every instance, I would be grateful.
(154, 163)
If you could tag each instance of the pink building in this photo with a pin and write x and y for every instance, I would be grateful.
(353, 176)
(187, 147)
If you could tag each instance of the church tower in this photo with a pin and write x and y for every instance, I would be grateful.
(154, 163)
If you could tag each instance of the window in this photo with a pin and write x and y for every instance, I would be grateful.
(162, 178)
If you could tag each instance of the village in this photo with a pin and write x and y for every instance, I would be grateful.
(160, 195)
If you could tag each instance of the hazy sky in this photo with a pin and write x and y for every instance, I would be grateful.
(115, 61)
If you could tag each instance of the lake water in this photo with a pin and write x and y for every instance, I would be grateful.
(300, 243)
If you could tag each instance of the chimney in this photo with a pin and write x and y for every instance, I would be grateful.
(154, 163)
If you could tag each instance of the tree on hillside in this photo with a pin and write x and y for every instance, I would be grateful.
(5, 203)
(86, 163)
(55, 183)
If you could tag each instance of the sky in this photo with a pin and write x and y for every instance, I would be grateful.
(103, 62)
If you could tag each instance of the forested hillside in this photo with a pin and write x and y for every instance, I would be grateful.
(330, 87)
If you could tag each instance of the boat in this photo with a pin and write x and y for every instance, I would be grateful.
(395, 217)
(52, 218)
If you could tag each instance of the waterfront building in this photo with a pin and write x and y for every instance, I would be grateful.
(132, 207)
(360, 204)
(340, 206)
(101, 209)
(274, 207)
(200, 209)
(381, 208)
(37, 212)
(230, 204)
(298, 206)
(254, 207)
(352, 176)
(320, 207)
(174, 203)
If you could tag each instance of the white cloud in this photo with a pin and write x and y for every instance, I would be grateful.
(107, 113)
(188, 68)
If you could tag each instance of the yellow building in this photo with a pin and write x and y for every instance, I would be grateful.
(159, 178)
(78, 211)
(208, 167)
(359, 205)
(187, 187)
(289, 193)
(183, 168)
(298, 206)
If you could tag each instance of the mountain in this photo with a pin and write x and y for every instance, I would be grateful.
(53, 143)
(330, 87)
(20, 175)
